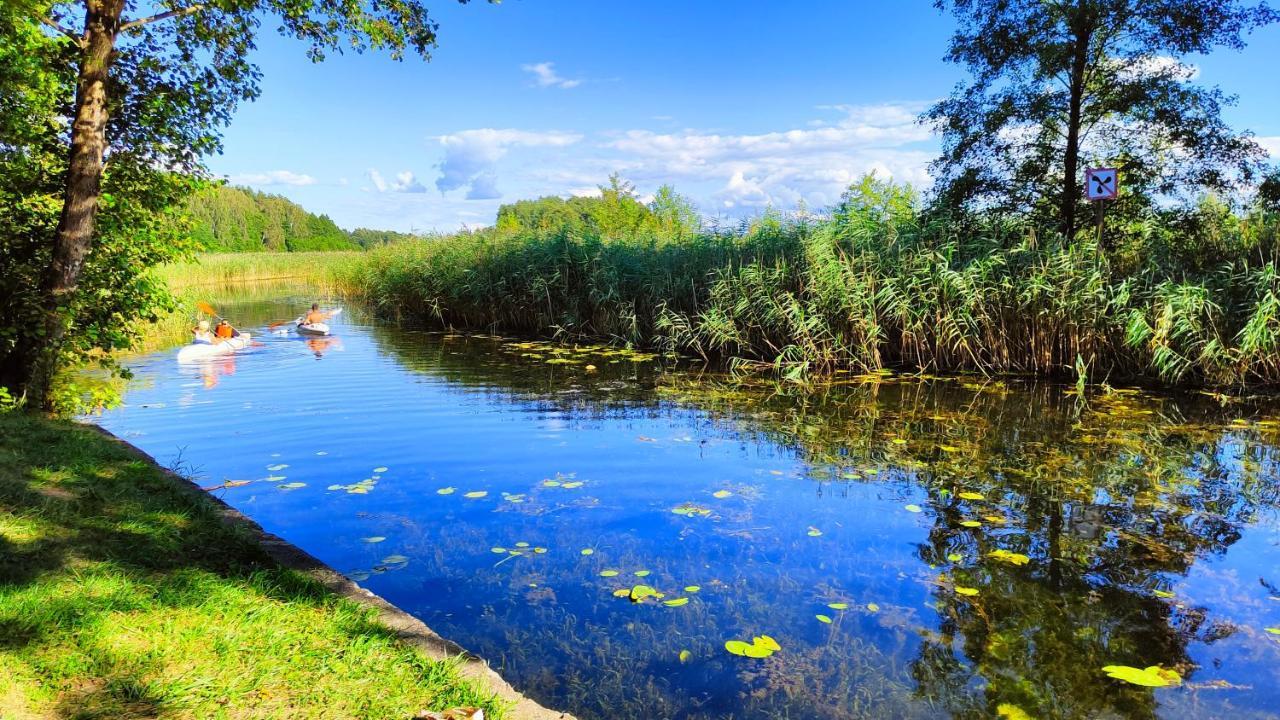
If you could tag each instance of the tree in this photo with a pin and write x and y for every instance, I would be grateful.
(152, 92)
(1058, 82)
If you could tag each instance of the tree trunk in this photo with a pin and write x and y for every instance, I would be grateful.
(1070, 181)
(74, 236)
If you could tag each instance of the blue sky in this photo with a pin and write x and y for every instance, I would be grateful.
(739, 105)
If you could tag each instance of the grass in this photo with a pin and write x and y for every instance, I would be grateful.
(121, 596)
(215, 271)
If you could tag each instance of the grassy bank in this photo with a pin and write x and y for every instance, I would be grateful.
(876, 284)
(215, 271)
(122, 597)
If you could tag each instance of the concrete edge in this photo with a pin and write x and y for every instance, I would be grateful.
(407, 628)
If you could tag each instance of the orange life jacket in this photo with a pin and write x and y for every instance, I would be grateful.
(224, 331)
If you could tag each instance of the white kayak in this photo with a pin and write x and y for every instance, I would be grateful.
(200, 351)
(316, 328)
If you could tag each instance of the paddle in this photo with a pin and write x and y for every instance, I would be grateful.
(207, 309)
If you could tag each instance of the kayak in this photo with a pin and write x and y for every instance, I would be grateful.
(200, 351)
(316, 328)
(313, 329)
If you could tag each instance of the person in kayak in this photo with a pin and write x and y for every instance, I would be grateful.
(200, 334)
(224, 331)
(315, 316)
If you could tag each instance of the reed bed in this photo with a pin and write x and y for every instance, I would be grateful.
(878, 284)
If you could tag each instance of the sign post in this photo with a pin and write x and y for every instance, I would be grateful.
(1101, 185)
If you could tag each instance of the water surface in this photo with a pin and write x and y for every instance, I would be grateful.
(979, 549)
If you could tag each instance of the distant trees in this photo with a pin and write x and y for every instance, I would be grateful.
(616, 212)
(1058, 83)
(231, 219)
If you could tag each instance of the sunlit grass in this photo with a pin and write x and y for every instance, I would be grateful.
(121, 597)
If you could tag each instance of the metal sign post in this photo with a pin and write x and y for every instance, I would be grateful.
(1101, 185)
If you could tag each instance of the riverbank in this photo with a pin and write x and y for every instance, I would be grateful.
(127, 593)
(877, 284)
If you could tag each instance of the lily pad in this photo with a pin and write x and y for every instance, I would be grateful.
(1274, 630)
(955, 557)
(522, 544)
(1012, 558)
(692, 588)
(721, 494)
(966, 591)
(1152, 676)
(373, 539)
(970, 496)
(641, 573)
(685, 655)
(292, 486)
(913, 508)
(676, 602)
(476, 494)
(446, 491)
(814, 532)
(572, 485)
(276, 468)
(608, 573)
(872, 607)
(379, 470)
(823, 619)
(838, 606)
(971, 523)
(395, 559)
(498, 550)
(588, 551)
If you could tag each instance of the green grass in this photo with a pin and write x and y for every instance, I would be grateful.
(219, 270)
(123, 597)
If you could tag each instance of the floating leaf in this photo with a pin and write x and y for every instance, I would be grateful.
(1152, 676)
(640, 592)
(522, 544)
(684, 654)
(292, 486)
(539, 550)
(608, 573)
(949, 448)
(642, 573)
(838, 606)
(358, 576)
(1012, 558)
(446, 491)
(737, 647)
(336, 487)
(823, 619)
(966, 591)
(955, 557)
(721, 494)
(1006, 711)
(379, 470)
(1274, 630)
(373, 539)
(765, 641)
(1163, 594)
(692, 588)
(898, 441)
(395, 559)
(550, 483)
(677, 602)
(476, 494)
(572, 485)
(970, 496)
(872, 607)
(912, 508)
(760, 647)
(276, 468)
(358, 490)
(588, 551)
(971, 523)
(814, 532)
(622, 592)
(498, 550)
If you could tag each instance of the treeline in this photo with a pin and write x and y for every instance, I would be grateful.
(232, 219)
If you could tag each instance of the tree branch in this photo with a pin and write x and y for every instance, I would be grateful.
(54, 24)
(180, 12)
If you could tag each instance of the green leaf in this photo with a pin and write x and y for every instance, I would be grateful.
(692, 588)
(395, 559)
(641, 573)
(685, 655)
(498, 550)
(970, 496)
(971, 523)
(446, 491)
(476, 494)
(913, 508)
(966, 591)
(838, 606)
(721, 494)
(587, 551)
(872, 607)
(676, 602)
(374, 539)
(823, 619)
(814, 532)
(379, 470)
(608, 573)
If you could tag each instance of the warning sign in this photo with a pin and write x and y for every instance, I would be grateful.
(1102, 183)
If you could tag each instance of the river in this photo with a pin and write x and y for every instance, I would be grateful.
(598, 526)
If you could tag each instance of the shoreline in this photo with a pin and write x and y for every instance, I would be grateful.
(407, 628)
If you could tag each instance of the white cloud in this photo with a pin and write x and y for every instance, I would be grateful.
(471, 157)
(404, 182)
(1159, 66)
(545, 75)
(781, 168)
(273, 177)
(1270, 143)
